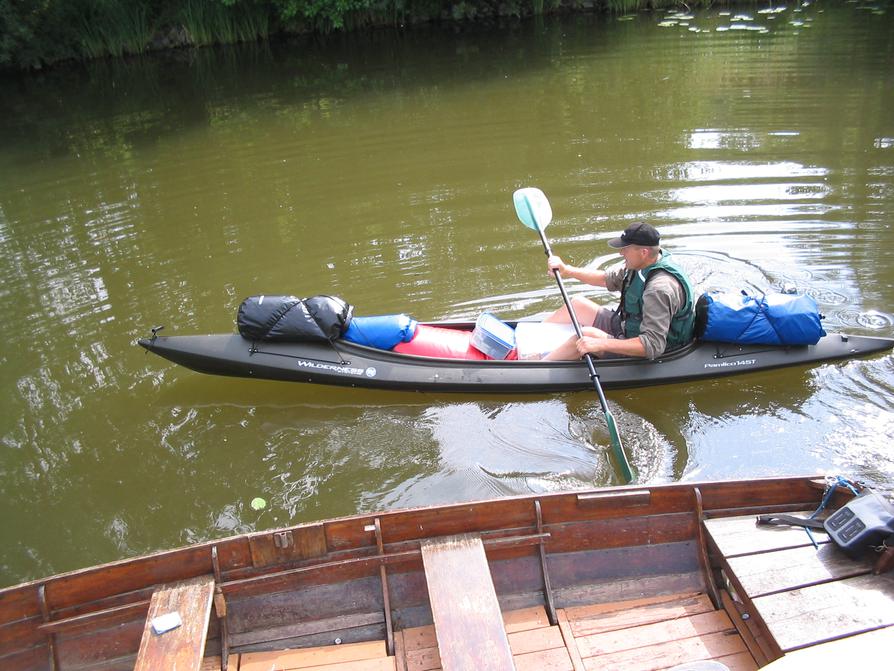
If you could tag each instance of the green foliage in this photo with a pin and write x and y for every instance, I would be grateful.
(464, 10)
(31, 34)
(322, 14)
(224, 22)
(16, 33)
(626, 6)
(109, 27)
(34, 33)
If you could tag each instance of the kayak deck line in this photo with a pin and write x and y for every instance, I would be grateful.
(343, 363)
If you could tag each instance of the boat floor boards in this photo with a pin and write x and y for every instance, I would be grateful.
(367, 656)
(637, 635)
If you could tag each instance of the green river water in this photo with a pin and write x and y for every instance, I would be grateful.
(380, 167)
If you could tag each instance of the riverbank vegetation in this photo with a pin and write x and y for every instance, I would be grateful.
(37, 33)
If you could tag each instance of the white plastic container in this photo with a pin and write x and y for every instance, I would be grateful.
(493, 337)
(535, 340)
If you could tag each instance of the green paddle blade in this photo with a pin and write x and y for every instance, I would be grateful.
(532, 208)
(617, 448)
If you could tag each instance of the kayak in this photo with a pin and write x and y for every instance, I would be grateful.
(348, 364)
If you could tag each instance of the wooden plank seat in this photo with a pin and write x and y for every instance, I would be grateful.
(181, 648)
(466, 613)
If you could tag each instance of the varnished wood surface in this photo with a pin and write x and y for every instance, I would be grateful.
(645, 634)
(755, 637)
(535, 644)
(633, 638)
(656, 633)
(468, 622)
(736, 536)
(819, 613)
(182, 648)
(872, 647)
(369, 654)
(801, 595)
(786, 569)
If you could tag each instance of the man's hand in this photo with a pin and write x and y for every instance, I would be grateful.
(555, 263)
(599, 345)
(593, 341)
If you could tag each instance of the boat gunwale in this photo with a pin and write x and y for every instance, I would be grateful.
(341, 345)
(708, 489)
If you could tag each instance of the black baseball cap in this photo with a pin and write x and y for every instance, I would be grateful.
(639, 233)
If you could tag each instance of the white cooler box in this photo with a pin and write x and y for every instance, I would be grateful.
(534, 340)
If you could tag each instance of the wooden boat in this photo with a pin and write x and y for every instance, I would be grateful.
(642, 577)
(347, 364)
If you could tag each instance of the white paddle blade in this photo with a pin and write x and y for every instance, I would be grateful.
(532, 208)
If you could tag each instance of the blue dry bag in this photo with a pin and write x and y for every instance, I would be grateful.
(771, 319)
(381, 332)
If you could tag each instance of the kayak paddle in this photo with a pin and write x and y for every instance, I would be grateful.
(534, 211)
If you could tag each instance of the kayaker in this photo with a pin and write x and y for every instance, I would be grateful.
(656, 307)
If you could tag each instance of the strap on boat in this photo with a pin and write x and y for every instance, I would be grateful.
(341, 359)
(790, 520)
(885, 560)
(832, 483)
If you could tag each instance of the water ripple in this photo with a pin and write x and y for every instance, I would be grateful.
(871, 320)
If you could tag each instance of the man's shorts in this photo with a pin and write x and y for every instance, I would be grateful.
(609, 320)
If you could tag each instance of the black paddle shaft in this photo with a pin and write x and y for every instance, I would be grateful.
(594, 376)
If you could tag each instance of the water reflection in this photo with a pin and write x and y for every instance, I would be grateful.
(709, 171)
(843, 419)
(720, 193)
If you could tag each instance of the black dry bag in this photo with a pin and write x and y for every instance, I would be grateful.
(291, 319)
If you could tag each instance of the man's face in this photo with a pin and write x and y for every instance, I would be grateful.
(635, 257)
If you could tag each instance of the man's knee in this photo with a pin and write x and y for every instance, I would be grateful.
(583, 303)
(585, 309)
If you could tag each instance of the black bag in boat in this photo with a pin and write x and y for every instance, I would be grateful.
(291, 319)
